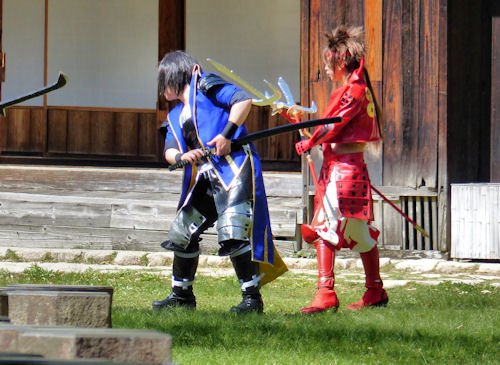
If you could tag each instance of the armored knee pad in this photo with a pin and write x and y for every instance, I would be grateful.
(234, 223)
(186, 227)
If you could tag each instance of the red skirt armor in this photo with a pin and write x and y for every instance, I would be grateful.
(352, 182)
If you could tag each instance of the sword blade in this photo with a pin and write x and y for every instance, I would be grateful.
(61, 81)
(237, 143)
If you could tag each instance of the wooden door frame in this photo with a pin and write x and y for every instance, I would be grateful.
(2, 56)
(495, 95)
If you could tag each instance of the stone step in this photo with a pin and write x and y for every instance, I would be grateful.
(57, 305)
(27, 359)
(60, 343)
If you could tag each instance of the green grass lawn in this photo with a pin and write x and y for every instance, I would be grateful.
(422, 324)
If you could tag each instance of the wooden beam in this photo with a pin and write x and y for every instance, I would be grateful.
(443, 228)
(45, 48)
(373, 38)
(495, 101)
(171, 26)
(2, 119)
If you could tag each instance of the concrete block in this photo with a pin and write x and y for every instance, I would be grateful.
(4, 303)
(59, 308)
(65, 345)
(297, 263)
(8, 337)
(133, 346)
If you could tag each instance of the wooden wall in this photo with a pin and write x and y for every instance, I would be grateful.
(407, 62)
(2, 57)
(81, 133)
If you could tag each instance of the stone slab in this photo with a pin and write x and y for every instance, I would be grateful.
(69, 288)
(420, 265)
(4, 303)
(8, 337)
(124, 345)
(34, 360)
(59, 308)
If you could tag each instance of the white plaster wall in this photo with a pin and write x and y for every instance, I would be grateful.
(258, 39)
(109, 50)
(23, 42)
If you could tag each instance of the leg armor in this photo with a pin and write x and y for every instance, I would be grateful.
(353, 186)
(193, 218)
(183, 272)
(358, 234)
(247, 272)
(234, 207)
(234, 223)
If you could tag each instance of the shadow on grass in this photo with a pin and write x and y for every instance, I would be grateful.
(372, 334)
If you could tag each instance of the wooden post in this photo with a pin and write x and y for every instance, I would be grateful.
(2, 75)
(495, 100)
(443, 207)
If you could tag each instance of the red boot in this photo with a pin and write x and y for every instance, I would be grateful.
(372, 298)
(309, 234)
(375, 295)
(325, 297)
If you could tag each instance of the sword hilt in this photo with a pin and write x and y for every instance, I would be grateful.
(183, 163)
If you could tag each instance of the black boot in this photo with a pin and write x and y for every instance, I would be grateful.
(248, 275)
(183, 270)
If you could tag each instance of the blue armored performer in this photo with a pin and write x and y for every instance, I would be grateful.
(224, 187)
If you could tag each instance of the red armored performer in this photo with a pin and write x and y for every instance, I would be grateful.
(343, 206)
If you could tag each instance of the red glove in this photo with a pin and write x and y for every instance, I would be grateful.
(302, 146)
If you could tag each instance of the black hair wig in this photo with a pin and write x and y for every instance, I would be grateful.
(175, 71)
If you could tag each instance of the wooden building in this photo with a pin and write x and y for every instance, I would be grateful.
(435, 69)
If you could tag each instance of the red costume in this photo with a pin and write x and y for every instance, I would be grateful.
(343, 206)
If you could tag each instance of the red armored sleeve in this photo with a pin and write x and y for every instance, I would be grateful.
(345, 102)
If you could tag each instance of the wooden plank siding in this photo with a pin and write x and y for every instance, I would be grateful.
(410, 94)
(407, 64)
(113, 134)
(118, 208)
(80, 132)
